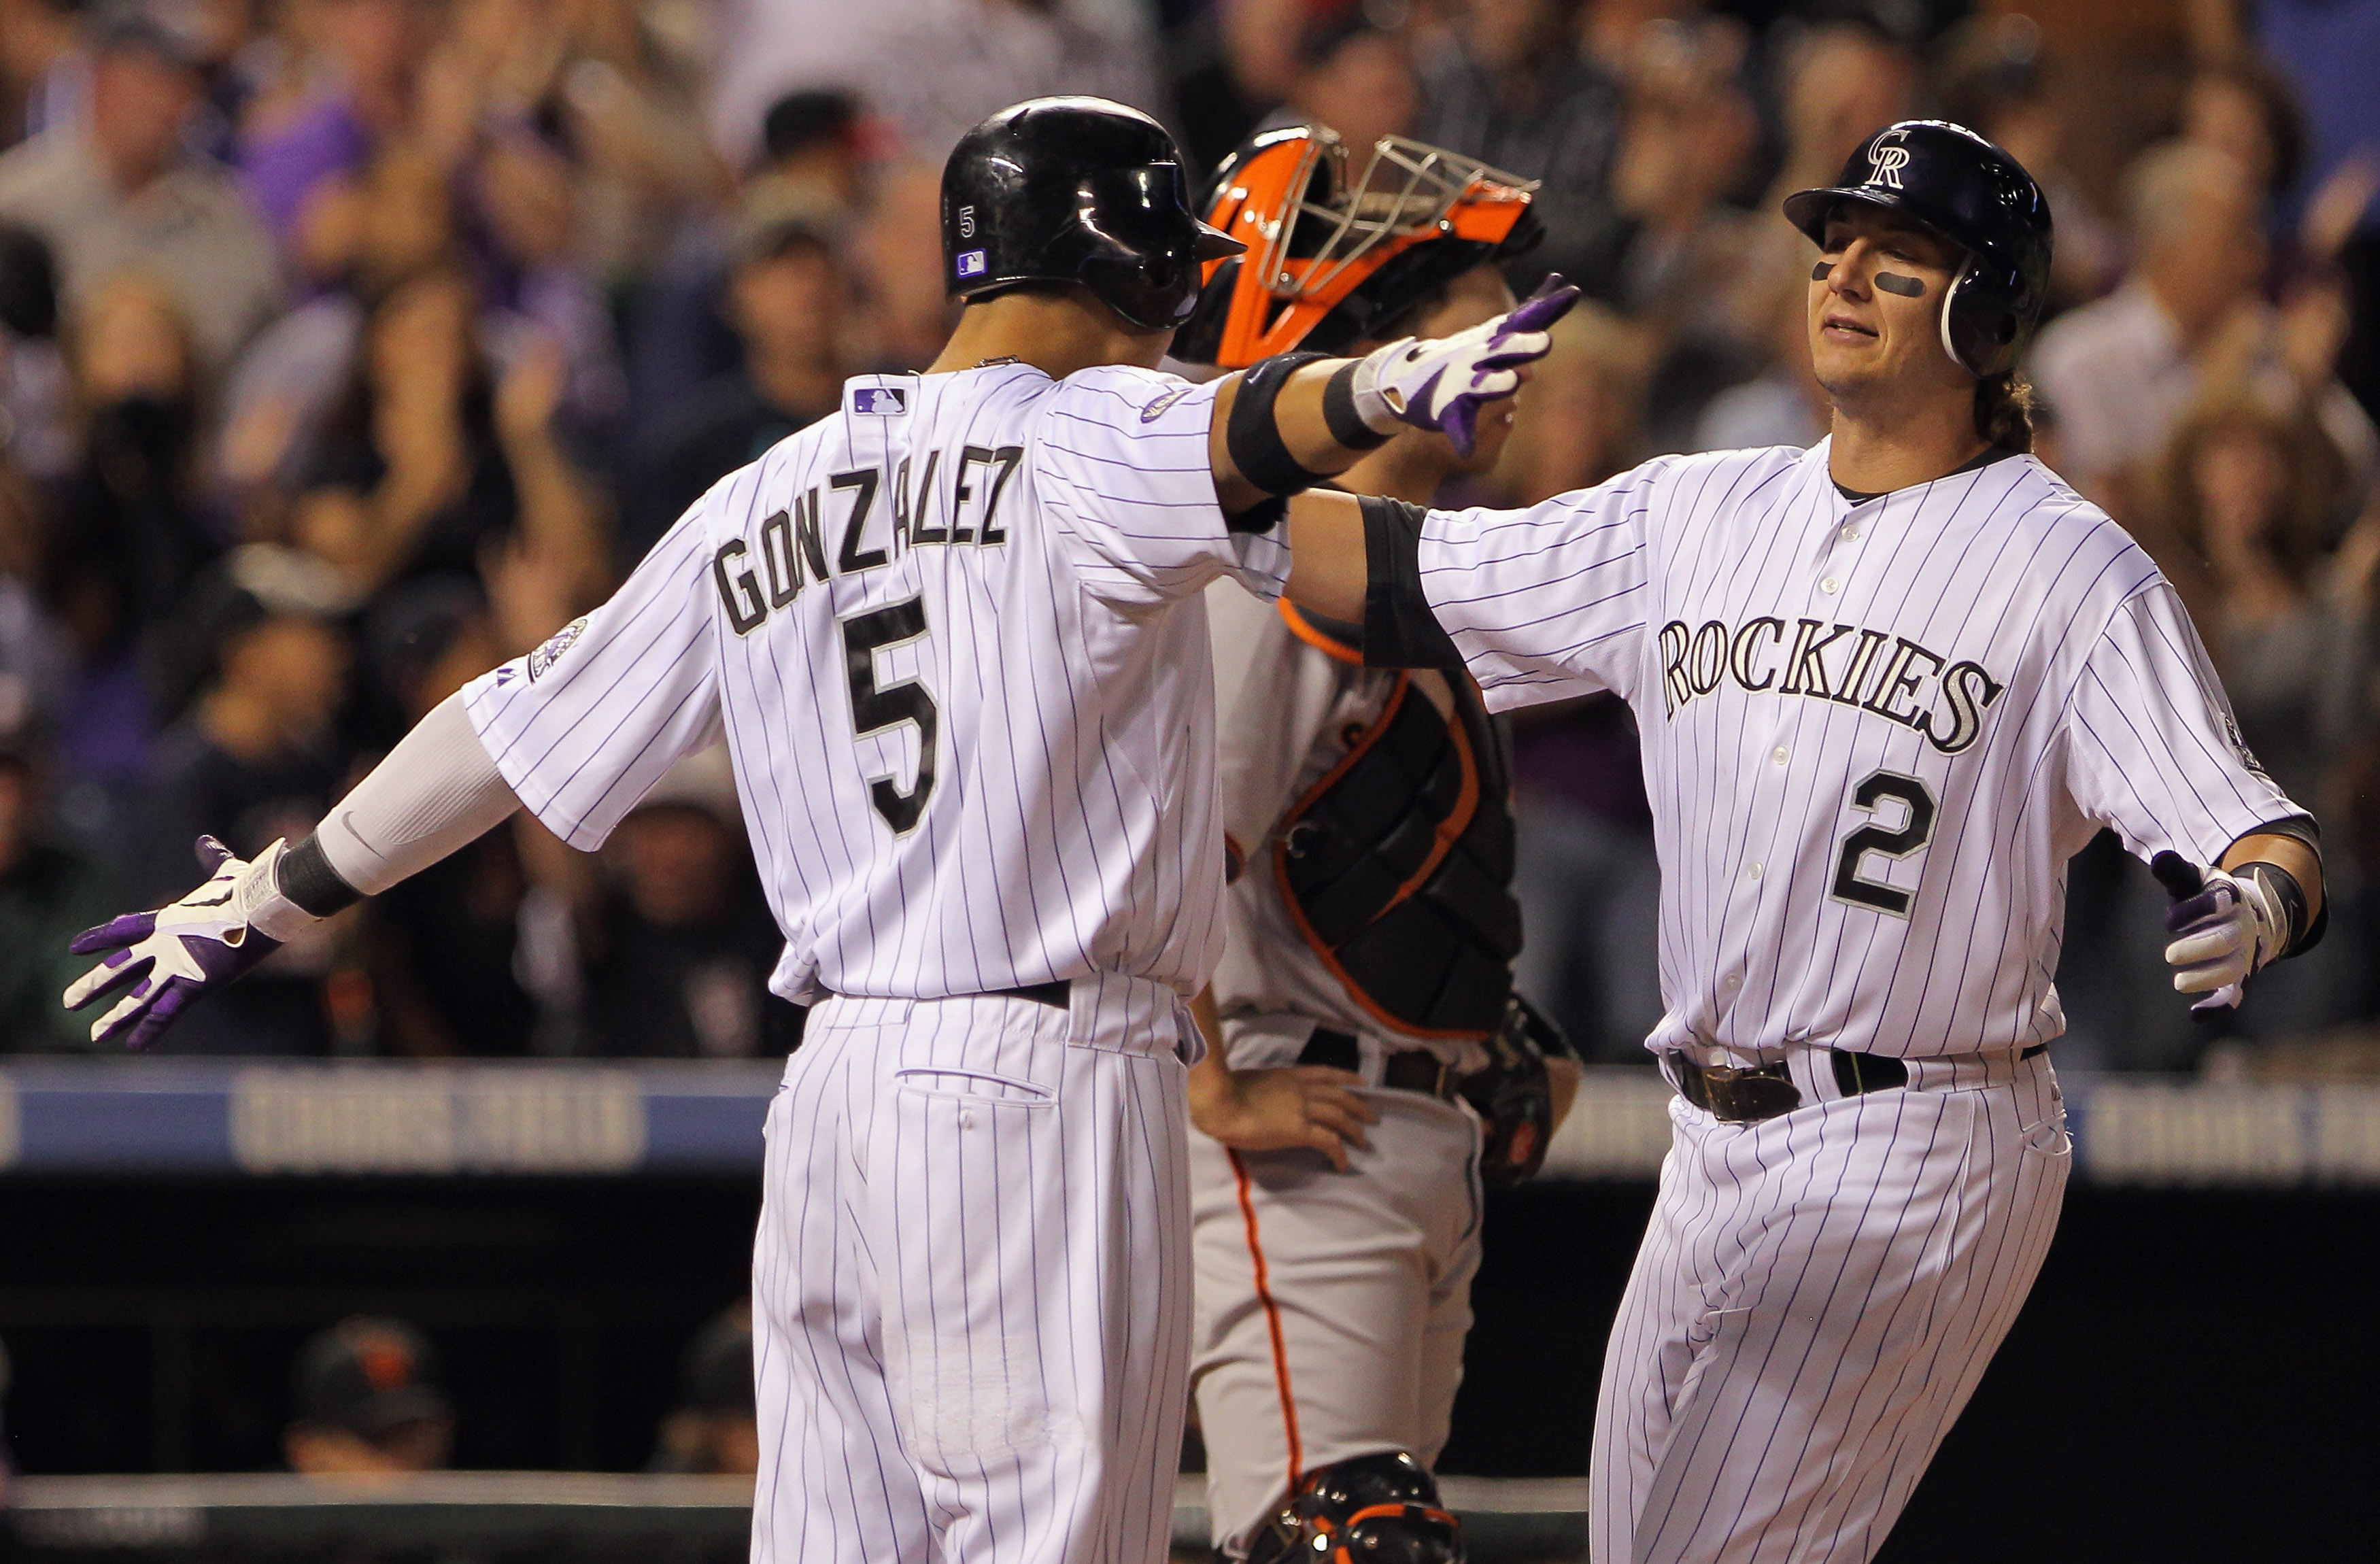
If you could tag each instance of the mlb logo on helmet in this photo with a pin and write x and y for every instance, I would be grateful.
(1886, 161)
(879, 399)
(971, 264)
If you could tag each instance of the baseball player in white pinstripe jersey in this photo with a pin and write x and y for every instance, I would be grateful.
(1886, 686)
(954, 641)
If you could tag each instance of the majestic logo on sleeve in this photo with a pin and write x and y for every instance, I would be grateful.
(546, 656)
(1885, 158)
(1890, 676)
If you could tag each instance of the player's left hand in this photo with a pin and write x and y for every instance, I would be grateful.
(2227, 930)
(1441, 384)
(182, 951)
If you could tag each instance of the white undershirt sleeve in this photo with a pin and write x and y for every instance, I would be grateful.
(437, 792)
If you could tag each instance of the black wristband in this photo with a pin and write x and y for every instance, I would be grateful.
(2283, 887)
(306, 878)
(1400, 630)
(1253, 436)
(1339, 411)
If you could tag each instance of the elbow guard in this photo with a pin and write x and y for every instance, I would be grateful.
(1400, 628)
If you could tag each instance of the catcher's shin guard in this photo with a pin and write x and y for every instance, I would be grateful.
(1372, 1510)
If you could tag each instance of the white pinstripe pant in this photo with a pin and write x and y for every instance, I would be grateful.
(971, 1289)
(1816, 1299)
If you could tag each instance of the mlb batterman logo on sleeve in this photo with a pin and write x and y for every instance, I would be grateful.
(882, 399)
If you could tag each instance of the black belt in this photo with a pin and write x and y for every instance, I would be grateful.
(1055, 993)
(1745, 1095)
(1405, 1070)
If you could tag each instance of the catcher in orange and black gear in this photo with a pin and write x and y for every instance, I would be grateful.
(1370, 1066)
(1334, 259)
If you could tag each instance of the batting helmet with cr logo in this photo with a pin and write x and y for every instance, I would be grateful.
(1971, 193)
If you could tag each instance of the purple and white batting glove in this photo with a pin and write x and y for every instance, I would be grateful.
(2228, 927)
(1441, 384)
(188, 947)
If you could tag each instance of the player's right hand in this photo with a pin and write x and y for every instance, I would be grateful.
(1283, 1109)
(1442, 384)
(180, 952)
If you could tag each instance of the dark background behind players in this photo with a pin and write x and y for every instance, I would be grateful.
(483, 296)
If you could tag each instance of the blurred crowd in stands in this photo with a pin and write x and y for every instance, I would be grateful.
(348, 348)
(370, 1395)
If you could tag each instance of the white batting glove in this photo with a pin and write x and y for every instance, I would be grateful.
(1441, 384)
(186, 949)
(2228, 926)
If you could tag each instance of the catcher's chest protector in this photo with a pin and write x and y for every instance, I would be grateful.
(1397, 867)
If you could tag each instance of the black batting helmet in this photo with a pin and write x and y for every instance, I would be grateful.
(1976, 195)
(1076, 190)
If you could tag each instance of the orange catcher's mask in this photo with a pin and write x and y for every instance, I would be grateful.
(1332, 261)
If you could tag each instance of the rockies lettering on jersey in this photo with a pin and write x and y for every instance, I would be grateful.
(1873, 734)
(946, 634)
(1920, 689)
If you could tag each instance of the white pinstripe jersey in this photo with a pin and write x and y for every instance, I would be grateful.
(955, 641)
(1873, 734)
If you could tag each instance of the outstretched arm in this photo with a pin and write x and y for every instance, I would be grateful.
(1289, 422)
(435, 793)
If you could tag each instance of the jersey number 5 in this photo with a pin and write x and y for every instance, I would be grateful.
(878, 708)
(1916, 830)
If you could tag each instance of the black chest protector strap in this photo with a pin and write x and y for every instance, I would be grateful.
(1397, 867)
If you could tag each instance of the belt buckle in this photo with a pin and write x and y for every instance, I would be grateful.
(1741, 1095)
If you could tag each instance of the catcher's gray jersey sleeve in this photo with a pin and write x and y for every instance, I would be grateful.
(2152, 748)
(582, 726)
(1549, 601)
(1122, 468)
(1274, 696)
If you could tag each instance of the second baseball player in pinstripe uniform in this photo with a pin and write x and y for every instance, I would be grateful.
(1886, 686)
(954, 641)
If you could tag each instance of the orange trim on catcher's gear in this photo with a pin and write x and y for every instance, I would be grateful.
(1278, 297)
(1339, 1554)
(1303, 628)
(1272, 1322)
(1449, 831)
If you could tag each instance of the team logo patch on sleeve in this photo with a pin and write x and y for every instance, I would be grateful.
(2239, 744)
(1159, 408)
(546, 656)
(882, 399)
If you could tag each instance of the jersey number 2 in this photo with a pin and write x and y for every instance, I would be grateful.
(878, 709)
(1915, 831)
